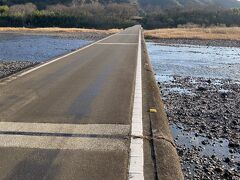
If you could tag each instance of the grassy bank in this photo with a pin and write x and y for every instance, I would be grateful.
(214, 33)
(57, 30)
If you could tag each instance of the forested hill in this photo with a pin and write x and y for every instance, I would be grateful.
(195, 4)
(119, 13)
(162, 4)
(44, 3)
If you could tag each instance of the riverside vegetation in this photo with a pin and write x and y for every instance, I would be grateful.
(210, 33)
(110, 14)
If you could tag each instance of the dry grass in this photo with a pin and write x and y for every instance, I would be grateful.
(57, 30)
(213, 33)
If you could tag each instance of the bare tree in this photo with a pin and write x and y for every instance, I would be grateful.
(123, 11)
(58, 8)
(22, 9)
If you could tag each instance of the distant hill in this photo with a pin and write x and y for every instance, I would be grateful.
(162, 4)
(119, 13)
(166, 4)
(43, 3)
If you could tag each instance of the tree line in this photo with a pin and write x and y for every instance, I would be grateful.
(112, 15)
(200, 17)
(88, 16)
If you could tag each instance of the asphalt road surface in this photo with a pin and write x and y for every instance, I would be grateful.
(71, 118)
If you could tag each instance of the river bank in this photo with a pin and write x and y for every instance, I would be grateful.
(80, 33)
(8, 68)
(212, 36)
(200, 89)
(201, 33)
(204, 116)
(198, 42)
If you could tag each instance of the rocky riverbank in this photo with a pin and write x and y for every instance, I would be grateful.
(80, 33)
(205, 119)
(10, 67)
(200, 87)
(92, 36)
(198, 42)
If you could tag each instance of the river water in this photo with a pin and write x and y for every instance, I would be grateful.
(200, 87)
(196, 61)
(36, 48)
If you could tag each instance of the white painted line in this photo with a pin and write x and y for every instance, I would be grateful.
(122, 34)
(13, 77)
(136, 166)
(103, 129)
(118, 43)
(72, 143)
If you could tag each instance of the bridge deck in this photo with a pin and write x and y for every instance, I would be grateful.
(70, 118)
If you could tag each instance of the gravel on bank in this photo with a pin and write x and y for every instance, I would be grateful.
(83, 35)
(93, 36)
(205, 118)
(199, 42)
(10, 67)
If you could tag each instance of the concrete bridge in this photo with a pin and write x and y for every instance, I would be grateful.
(95, 113)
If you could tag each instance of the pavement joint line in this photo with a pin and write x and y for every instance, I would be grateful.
(64, 136)
(105, 136)
(62, 128)
(136, 170)
(13, 77)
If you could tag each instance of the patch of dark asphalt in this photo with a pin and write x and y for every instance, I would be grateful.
(205, 118)
(199, 42)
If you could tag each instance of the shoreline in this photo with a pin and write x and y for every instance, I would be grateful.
(12, 67)
(211, 36)
(198, 42)
(78, 33)
(217, 36)
(57, 30)
(208, 33)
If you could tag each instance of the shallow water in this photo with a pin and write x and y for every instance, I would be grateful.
(178, 90)
(212, 149)
(195, 61)
(19, 47)
(195, 79)
(215, 147)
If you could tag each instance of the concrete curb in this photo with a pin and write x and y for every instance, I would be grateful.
(167, 164)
